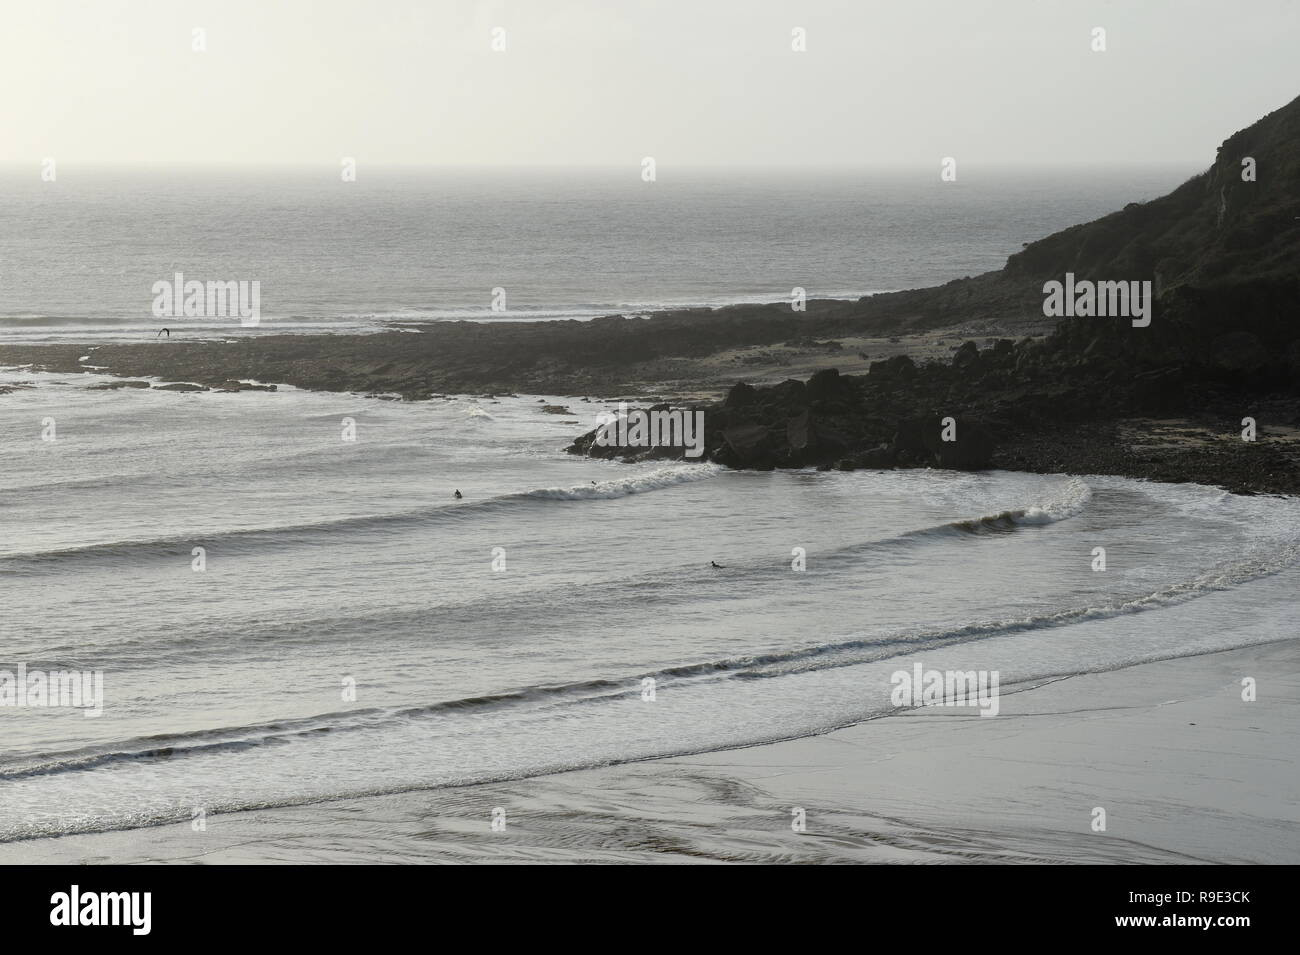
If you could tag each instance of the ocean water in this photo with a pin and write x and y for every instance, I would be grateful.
(79, 256)
(511, 633)
(357, 630)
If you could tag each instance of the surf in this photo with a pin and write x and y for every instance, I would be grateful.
(291, 535)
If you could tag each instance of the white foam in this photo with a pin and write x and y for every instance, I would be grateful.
(1073, 499)
(637, 484)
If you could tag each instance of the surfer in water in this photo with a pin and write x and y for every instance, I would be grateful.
(716, 566)
(165, 331)
(458, 495)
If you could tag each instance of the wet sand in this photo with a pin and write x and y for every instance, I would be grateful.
(1186, 770)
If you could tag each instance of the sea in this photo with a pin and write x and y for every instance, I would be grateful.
(286, 604)
(80, 256)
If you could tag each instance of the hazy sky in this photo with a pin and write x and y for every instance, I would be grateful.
(601, 82)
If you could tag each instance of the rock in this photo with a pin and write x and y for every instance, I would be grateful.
(1029, 355)
(1159, 389)
(830, 440)
(800, 432)
(233, 385)
(920, 440)
(876, 459)
(910, 435)
(741, 395)
(1239, 353)
(749, 444)
(965, 355)
(971, 451)
(1293, 358)
(182, 386)
(899, 368)
(879, 457)
(824, 384)
(791, 394)
(115, 385)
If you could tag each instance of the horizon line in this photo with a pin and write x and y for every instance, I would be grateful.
(35, 162)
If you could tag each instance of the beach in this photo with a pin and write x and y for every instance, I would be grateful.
(326, 645)
(342, 569)
(1187, 772)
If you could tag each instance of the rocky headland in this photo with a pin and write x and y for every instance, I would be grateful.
(1208, 391)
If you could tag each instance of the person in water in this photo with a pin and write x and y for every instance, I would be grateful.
(458, 494)
(716, 565)
(165, 331)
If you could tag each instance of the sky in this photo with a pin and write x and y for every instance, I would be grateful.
(608, 82)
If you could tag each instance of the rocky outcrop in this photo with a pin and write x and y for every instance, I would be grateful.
(957, 414)
(960, 444)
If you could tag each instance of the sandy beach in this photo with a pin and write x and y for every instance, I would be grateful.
(1186, 771)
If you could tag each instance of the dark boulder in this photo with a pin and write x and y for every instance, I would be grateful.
(749, 446)
(965, 355)
(791, 394)
(909, 439)
(1239, 353)
(800, 432)
(878, 458)
(1159, 389)
(921, 440)
(806, 432)
(972, 449)
(741, 395)
(897, 368)
(825, 384)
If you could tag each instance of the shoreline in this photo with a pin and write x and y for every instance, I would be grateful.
(1159, 444)
(1188, 774)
